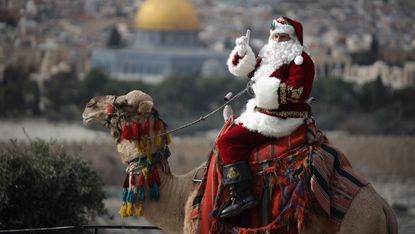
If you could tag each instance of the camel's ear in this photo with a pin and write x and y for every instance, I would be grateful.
(145, 106)
(120, 102)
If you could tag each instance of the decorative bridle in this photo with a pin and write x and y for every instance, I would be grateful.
(149, 134)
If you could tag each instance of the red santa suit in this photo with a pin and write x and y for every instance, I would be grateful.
(280, 92)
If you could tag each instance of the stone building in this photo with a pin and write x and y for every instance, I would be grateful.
(166, 44)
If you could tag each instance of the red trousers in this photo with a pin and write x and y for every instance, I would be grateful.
(237, 144)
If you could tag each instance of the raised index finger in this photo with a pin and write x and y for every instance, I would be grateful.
(248, 35)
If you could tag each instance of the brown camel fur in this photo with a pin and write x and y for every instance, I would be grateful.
(368, 213)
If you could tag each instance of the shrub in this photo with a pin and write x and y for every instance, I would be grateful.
(41, 185)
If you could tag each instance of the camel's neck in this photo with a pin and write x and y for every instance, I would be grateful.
(168, 212)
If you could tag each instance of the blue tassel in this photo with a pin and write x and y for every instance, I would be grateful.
(141, 195)
(131, 197)
(142, 160)
(124, 195)
(154, 192)
(167, 152)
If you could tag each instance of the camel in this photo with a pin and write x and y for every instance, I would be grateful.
(368, 213)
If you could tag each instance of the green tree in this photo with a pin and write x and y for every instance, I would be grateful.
(374, 95)
(335, 101)
(374, 47)
(41, 185)
(19, 96)
(114, 39)
(369, 56)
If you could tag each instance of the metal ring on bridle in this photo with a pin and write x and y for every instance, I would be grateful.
(249, 89)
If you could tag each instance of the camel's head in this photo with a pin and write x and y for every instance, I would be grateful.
(96, 109)
(135, 101)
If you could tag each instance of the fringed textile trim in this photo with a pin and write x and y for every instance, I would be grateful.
(142, 172)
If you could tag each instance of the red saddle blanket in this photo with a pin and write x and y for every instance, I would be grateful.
(292, 174)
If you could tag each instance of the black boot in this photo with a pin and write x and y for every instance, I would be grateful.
(238, 177)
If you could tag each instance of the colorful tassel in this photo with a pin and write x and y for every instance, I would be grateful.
(168, 139)
(167, 152)
(123, 210)
(140, 187)
(144, 171)
(157, 126)
(158, 141)
(146, 128)
(126, 132)
(130, 209)
(140, 147)
(132, 179)
(140, 180)
(156, 176)
(149, 178)
(126, 181)
(142, 161)
(136, 128)
(124, 195)
(141, 196)
(151, 148)
(130, 196)
(154, 192)
(139, 211)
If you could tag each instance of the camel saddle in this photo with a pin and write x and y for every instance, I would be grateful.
(291, 176)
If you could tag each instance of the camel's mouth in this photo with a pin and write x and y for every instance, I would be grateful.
(88, 119)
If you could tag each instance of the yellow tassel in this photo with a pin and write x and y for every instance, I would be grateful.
(139, 211)
(130, 209)
(145, 172)
(139, 148)
(142, 146)
(158, 142)
(123, 210)
(168, 139)
(148, 147)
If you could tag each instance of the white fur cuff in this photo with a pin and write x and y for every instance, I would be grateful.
(245, 65)
(265, 124)
(266, 92)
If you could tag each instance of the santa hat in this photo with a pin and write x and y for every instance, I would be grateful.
(292, 28)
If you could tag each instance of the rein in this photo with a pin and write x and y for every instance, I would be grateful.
(125, 115)
(210, 113)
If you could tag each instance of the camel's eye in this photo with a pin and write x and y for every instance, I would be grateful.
(91, 103)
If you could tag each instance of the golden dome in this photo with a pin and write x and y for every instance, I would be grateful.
(166, 15)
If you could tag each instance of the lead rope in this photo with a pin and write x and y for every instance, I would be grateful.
(246, 89)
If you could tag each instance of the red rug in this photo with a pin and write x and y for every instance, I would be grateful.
(291, 175)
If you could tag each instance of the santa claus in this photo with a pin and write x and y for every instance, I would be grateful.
(283, 75)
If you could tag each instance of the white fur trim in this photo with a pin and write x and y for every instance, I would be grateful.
(282, 28)
(266, 92)
(274, 55)
(298, 60)
(265, 124)
(245, 64)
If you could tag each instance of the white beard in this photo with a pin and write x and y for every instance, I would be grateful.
(275, 54)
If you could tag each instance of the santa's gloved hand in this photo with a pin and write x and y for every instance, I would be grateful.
(242, 43)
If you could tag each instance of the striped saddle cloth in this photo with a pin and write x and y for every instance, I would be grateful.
(292, 175)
